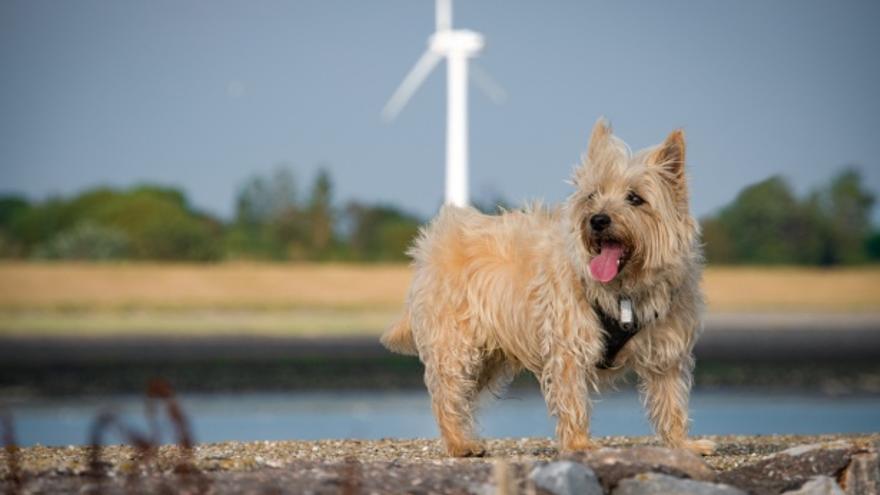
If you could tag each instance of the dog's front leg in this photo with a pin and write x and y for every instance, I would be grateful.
(666, 397)
(565, 385)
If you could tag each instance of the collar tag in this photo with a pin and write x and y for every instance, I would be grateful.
(626, 312)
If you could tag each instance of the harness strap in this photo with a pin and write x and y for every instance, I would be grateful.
(617, 334)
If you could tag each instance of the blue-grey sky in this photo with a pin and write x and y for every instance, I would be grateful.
(201, 94)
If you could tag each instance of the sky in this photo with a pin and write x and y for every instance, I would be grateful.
(203, 94)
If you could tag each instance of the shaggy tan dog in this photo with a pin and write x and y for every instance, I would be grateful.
(493, 295)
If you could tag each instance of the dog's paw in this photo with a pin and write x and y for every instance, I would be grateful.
(701, 447)
(469, 449)
(575, 446)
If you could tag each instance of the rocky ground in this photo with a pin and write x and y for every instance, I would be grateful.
(621, 466)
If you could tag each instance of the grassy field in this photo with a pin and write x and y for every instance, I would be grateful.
(321, 299)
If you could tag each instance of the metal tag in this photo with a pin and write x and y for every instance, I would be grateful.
(626, 312)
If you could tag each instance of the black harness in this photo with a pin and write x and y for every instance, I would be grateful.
(617, 334)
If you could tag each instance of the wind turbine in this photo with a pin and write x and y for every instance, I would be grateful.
(457, 46)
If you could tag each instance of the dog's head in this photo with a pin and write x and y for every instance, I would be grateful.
(629, 212)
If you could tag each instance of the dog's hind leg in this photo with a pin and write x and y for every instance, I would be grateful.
(452, 374)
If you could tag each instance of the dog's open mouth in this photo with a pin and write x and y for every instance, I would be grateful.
(611, 257)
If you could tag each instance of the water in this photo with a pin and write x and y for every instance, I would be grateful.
(375, 414)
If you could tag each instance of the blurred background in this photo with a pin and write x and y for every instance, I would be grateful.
(206, 192)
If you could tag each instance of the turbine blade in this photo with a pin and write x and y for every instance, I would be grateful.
(443, 11)
(410, 84)
(488, 84)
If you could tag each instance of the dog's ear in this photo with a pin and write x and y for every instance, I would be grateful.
(600, 139)
(670, 157)
(597, 149)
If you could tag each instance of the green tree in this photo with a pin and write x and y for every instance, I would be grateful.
(380, 232)
(717, 244)
(261, 199)
(39, 223)
(269, 221)
(846, 205)
(872, 246)
(11, 208)
(767, 225)
(249, 235)
(320, 215)
(156, 221)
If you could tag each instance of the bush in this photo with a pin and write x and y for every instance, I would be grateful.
(86, 241)
(156, 222)
(177, 237)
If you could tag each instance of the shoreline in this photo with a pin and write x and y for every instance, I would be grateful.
(406, 465)
(745, 336)
(836, 354)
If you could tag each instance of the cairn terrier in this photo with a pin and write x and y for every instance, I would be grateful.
(578, 294)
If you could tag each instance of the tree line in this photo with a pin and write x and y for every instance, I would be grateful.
(767, 223)
(276, 219)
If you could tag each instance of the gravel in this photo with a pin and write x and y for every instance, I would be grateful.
(380, 465)
(732, 452)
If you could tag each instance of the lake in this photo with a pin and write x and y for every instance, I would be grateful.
(407, 414)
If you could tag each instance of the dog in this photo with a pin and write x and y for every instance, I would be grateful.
(578, 294)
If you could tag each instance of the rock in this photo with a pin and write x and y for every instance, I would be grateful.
(791, 468)
(566, 478)
(862, 476)
(661, 484)
(481, 489)
(818, 485)
(799, 450)
(613, 465)
(269, 463)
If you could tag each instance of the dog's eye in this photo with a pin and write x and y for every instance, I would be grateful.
(634, 199)
(591, 196)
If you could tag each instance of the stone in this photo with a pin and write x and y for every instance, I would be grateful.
(818, 485)
(862, 476)
(481, 489)
(799, 450)
(661, 484)
(613, 465)
(791, 468)
(566, 478)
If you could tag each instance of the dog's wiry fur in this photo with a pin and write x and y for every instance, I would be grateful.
(493, 295)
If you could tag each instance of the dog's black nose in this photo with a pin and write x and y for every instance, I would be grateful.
(600, 222)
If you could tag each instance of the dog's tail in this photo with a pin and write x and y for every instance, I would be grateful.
(399, 338)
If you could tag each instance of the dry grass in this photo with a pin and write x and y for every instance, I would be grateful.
(793, 289)
(302, 322)
(322, 299)
(335, 286)
(183, 286)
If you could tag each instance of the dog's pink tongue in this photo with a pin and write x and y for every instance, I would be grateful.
(604, 266)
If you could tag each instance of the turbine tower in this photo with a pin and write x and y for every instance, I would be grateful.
(457, 46)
